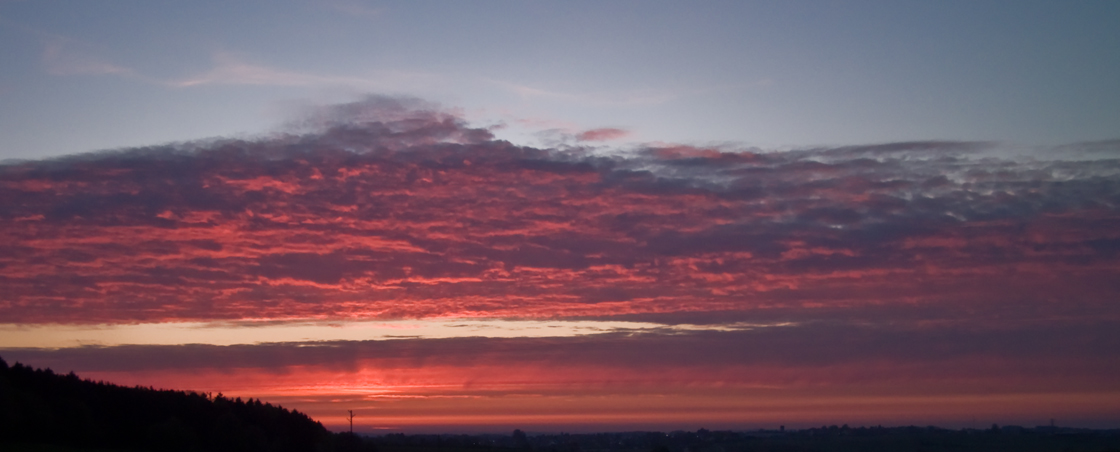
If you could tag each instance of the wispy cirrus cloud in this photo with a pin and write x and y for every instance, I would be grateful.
(63, 56)
(603, 99)
(229, 69)
(66, 56)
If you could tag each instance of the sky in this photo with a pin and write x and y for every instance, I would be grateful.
(468, 217)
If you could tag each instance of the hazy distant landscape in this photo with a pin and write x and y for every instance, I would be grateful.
(41, 411)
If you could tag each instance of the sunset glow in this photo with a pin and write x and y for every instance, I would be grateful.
(594, 252)
(429, 276)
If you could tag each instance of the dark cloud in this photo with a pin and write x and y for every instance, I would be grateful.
(907, 148)
(1038, 357)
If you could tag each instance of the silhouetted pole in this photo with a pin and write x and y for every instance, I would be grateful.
(351, 421)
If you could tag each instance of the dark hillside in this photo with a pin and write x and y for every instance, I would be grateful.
(41, 407)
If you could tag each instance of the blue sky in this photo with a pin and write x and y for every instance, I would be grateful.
(80, 76)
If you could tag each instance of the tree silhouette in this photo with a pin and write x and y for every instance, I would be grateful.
(38, 406)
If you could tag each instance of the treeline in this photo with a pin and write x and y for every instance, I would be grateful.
(40, 407)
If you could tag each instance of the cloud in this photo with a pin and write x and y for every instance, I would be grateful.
(394, 208)
(55, 336)
(605, 134)
(1090, 149)
(229, 69)
(65, 56)
(816, 345)
(926, 280)
(601, 99)
(62, 56)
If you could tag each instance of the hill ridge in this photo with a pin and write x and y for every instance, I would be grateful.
(40, 406)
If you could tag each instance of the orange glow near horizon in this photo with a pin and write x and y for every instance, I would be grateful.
(454, 399)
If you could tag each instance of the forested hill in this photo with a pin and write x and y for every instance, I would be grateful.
(41, 407)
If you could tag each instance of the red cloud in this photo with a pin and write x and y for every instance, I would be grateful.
(414, 214)
(978, 284)
(605, 134)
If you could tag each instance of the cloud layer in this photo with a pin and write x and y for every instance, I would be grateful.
(415, 214)
(927, 268)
